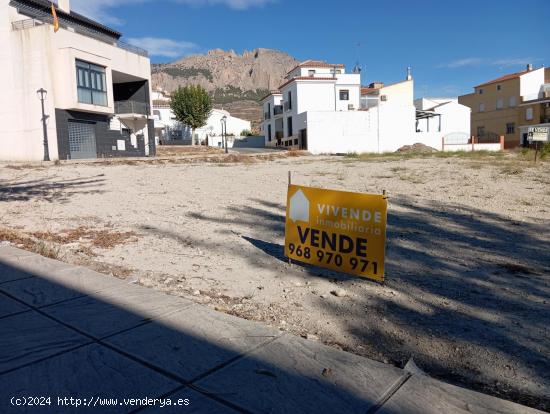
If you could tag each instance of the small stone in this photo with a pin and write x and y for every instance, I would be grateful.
(324, 296)
(312, 337)
(339, 293)
(196, 293)
(327, 372)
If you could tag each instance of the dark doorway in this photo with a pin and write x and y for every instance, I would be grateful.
(303, 139)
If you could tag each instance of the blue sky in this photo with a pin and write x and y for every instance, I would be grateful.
(451, 45)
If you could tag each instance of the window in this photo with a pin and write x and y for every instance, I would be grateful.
(311, 72)
(481, 91)
(91, 83)
(296, 141)
(481, 107)
(512, 101)
(510, 128)
(289, 100)
(269, 132)
(289, 126)
(344, 95)
(156, 112)
(500, 103)
(335, 71)
(480, 131)
(529, 114)
(499, 87)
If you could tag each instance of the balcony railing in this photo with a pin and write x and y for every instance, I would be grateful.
(287, 106)
(267, 115)
(278, 109)
(40, 18)
(132, 107)
(279, 134)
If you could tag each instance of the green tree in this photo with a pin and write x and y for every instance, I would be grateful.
(191, 106)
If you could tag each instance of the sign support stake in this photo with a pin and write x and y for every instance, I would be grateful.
(289, 183)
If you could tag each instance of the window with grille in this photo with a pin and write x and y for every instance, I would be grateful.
(92, 83)
(510, 128)
(344, 95)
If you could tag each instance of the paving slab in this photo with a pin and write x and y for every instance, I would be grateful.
(8, 251)
(29, 337)
(196, 404)
(424, 395)
(10, 271)
(92, 373)
(193, 341)
(9, 306)
(18, 266)
(38, 291)
(294, 375)
(111, 311)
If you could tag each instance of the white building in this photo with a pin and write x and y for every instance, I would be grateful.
(98, 89)
(323, 109)
(441, 117)
(169, 129)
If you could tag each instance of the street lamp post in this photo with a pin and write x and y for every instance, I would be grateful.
(42, 94)
(224, 132)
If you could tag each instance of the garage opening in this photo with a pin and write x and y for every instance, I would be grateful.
(82, 142)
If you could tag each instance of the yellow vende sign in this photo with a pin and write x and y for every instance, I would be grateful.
(337, 230)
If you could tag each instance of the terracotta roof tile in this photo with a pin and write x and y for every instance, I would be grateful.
(504, 78)
(306, 78)
(317, 64)
(365, 91)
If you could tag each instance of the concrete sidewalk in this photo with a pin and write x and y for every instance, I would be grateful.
(68, 332)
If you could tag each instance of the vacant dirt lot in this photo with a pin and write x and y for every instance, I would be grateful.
(467, 292)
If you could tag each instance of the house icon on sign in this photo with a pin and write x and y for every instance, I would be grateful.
(299, 207)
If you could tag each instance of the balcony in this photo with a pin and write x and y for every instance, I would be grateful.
(131, 108)
(267, 115)
(279, 134)
(278, 110)
(41, 19)
(287, 106)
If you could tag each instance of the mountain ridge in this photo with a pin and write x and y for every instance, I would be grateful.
(236, 82)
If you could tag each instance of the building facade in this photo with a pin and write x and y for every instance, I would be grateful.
(98, 101)
(442, 118)
(167, 128)
(500, 106)
(322, 109)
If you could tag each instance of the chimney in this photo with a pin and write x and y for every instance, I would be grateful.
(64, 5)
(529, 67)
(409, 73)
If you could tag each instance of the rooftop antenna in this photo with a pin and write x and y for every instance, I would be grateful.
(409, 73)
(357, 67)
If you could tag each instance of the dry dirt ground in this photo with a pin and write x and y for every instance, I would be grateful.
(467, 292)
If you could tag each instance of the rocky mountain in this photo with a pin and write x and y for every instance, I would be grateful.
(236, 82)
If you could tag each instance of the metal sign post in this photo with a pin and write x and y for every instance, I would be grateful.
(537, 135)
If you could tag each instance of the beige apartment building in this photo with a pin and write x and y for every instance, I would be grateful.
(506, 106)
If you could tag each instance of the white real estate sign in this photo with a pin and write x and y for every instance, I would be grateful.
(538, 134)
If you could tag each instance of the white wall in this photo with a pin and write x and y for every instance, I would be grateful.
(312, 96)
(357, 131)
(454, 118)
(530, 84)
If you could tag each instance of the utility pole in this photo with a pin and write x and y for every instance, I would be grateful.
(42, 94)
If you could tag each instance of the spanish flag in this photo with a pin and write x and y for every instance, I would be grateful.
(55, 20)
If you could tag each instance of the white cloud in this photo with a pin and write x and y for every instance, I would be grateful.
(476, 61)
(471, 61)
(100, 9)
(157, 46)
